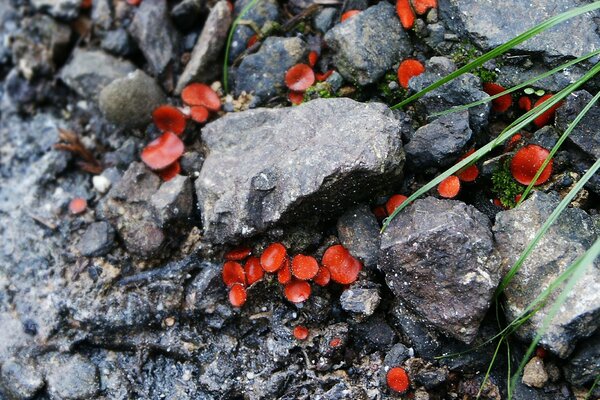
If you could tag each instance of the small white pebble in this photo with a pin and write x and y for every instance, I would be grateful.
(101, 183)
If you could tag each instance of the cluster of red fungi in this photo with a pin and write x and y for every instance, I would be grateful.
(163, 153)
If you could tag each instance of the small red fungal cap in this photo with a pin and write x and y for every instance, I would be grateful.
(322, 77)
(397, 379)
(405, 13)
(449, 187)
(323, 277)
(512, 142)
(380, 212)
(163, 151)
(299, 78)
(301, 332)
(296, 98)
(199, 114)
(422, 6)
(312, 58)
(525, 103)
(469, 174)
(342, 267)
(527, 161)
(304, 267)
(273, 257)
(253, 270)
(253, 39)
(498, 203)
(230, 5)
(134, 2)
(546, 117)
(85, 4)
(169, 119)
(502, 103)
(518, 197)
(170, 172)
(233, 273)
(540, 352)
(409, 69)
(349, 14)
(394, 202)
(199, 94)
(297, 291)
(237, 295)
(335, 342)
(284, 275)
(77, 205)
(238, 254)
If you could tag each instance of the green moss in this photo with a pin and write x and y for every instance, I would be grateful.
(321, 90)
(466, 52)
(391, 96)
(505, 187)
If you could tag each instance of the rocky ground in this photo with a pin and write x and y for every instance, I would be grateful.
(126, 301)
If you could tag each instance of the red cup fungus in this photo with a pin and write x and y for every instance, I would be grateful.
(304, 267)
(284, 275)
(525, 103)
(397, 379)
(342, 267)
(233, 273)
(422, 6)
(273, 257)
(502, 103)
(199, 94)
(296, 98)
(547, 116)
(253, 270)
(526, 162)
(405, 13)
(237, 295)
(313, 56)
(301, 332)
(394, 202)
(323, 277)
(409, 69)
(349, 14)
(299, 77)
(199, 114)
(162, 151)
(322, 77)
(449, 187)
(170, 172)
(169, 119)
(297, 291)
(238, 254)
(77, 205)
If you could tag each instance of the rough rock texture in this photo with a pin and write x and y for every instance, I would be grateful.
(173, 200)
(204, 59)
(259, 14)
(187, 13)
(358, 231)
(89, 71)
(566, 239)
(339, 151)
(440, 143)
(61, 9)
(368, 44)
(586, 136)
(584, 364)
(97, 240)
(20, 378)
(119, 107)
(534, 374)
(155, 34)
(462, 90)
(263, 73)
(360, 300)
(489, 26)
(438, 256)
(71, 377)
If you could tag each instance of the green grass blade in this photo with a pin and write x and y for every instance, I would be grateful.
(517, 87)
(551, 219)
(549, 23)
(559, 143)
(580, 266)
(489, 370)
(505, 134)
(234, 25)
(589, 393)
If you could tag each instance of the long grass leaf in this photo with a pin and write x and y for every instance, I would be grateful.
(489, 370)
(549, 23)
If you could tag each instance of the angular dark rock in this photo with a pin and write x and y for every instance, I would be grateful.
(338, 152)
(360, 300)
(584, 364)
(97, 240)
(202, 66)
(259, 14)
(173, 200)
(118, 100)
(585, 136)
(440, 143)
(89, 71)
(187, 13)
(102, 14)
(118, 42)
(358, 231)
(324, 19)
(20, 378)
(70, 377)
(155, 35)
(375, 333)
(566, 239)
(61, 9)
(369, 44)
(438, 256)
(263, 73)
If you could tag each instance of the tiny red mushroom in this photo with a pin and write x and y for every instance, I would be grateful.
(300, 332)
(284, 275)
(163, 151)
(342, 267)
(134, 2)
(170, 172)
(502, 103)
(304, 267)
(322, 77)
(253, 39)
(199, 114)
(540, 352)
(233, 273)
(313, 56)
(380, 212)
(547, 116)
(273, 257)
(409, 69)
(77, 205)
(394, 202)
(169, 119)
(335, 342)
(199, 94)
(349, 14)
(238, 254)
(323, 276)
(299, 77)
(237, 295)
(469, 174)
(526, 163)
(525, 103)
(397, 379)
(422, 6)
(296, 98)
(253, 270)
(297, 291)
(513, 141)
(405, 13)
(449, 187)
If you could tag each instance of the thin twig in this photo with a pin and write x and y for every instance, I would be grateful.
(70, 142)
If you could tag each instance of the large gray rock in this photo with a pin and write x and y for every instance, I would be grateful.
(586, 135)
(202, 66)
(584, 364)
(89, 71)
(440, 143)
(20, 378)
(263, 73)
(259, 14)
(489, 26)
(368, 44)
(155, 34)
(71, 377)
(61, 9)
(119, 107)
(358, 231)
(311, 159)
(438, 256)
(566, 239)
